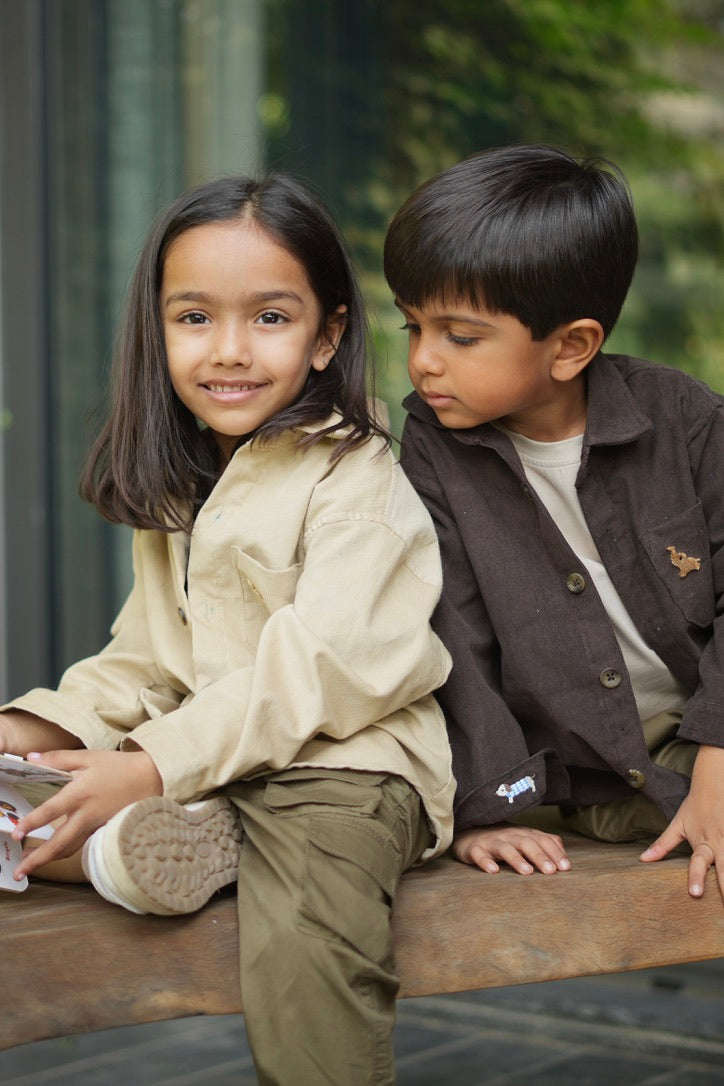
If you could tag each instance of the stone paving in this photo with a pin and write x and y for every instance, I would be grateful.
(652, 1028)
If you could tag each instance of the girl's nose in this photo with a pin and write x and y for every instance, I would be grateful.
(231, 346)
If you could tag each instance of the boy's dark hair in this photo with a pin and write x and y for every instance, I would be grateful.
(152, 466)
(529, 231)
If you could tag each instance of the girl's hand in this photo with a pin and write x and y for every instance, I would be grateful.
(104, 782)
(700, 821)
(522, 847)
(21, 733)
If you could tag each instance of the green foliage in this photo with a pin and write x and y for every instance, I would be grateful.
(420, 86)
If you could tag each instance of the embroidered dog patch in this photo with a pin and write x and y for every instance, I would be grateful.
(525, 784)
(683, 562)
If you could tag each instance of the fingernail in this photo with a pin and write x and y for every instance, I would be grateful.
(549, 867)
(696, 890)
(564, 865)
(34, 756)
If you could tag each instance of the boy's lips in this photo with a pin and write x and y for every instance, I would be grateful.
(435, 399)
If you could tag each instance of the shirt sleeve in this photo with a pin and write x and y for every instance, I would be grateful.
(496, 773)
(703, 719)
(101, 698)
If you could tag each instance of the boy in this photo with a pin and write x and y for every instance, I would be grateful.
(579, 504)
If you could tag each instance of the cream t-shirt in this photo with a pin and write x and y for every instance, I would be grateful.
(551, 468)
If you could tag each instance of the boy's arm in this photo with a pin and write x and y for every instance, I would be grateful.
(497, 775)
(523, 848)
(700, 821)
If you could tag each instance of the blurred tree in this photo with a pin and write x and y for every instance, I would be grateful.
(403, 90)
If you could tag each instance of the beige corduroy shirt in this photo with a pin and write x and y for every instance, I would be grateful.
(290, 629)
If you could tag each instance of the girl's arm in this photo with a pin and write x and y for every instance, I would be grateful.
(99, 699)
(22, 732)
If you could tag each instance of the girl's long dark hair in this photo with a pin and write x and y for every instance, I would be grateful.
(152, 466)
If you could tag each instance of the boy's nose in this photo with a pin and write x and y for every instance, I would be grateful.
(423, 359)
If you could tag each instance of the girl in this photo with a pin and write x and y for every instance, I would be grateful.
(264, 706)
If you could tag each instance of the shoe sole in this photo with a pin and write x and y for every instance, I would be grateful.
(168, 859)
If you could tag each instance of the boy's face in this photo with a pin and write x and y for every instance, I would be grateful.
(472, 366)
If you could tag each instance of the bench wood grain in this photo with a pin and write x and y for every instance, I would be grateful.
(73, 963)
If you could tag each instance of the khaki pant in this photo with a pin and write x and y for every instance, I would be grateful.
(321, 859)
(637, 818)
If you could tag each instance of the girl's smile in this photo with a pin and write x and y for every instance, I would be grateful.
(242, 326)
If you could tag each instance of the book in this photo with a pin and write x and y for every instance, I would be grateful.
(13, 806)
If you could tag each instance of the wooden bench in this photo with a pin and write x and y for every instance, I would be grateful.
(73, 963)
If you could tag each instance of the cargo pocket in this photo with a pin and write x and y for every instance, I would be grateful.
(353, 862)
(300, 792)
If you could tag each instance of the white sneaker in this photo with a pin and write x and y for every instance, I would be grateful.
(160, 857)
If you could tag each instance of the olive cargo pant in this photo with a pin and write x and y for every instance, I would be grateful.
(321, 859)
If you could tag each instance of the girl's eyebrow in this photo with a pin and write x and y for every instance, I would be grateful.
(258, 298)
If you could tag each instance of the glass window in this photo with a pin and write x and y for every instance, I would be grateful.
(110, 108)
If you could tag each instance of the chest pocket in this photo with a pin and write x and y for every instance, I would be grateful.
(679, 552)
(268, 589)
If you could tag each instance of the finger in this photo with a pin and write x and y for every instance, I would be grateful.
(701, 860)
(513, 857)
(480, 857)
(662, 846)
(62, 759)
(66, 840)
(547, 855)
(54, 809)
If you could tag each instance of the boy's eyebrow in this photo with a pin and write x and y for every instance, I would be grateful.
(465, 318)
(257, 298)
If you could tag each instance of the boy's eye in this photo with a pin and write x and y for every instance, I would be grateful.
(462, 341)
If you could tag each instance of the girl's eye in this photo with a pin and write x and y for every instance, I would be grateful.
(270, 317)
(194, 318)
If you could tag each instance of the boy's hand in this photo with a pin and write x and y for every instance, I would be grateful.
(104, 782)
(522, 847)
(700, 821)
(21, 733)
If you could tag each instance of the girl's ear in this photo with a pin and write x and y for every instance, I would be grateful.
(579, 342)
(329, 338)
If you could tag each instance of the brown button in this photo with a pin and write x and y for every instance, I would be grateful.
(575, 582)
(635, 778)
(610, 678)
(182, 616)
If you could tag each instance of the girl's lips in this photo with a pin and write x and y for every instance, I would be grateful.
(240, 386)
(230, 394)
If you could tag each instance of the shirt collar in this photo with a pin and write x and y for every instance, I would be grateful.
(613, 417)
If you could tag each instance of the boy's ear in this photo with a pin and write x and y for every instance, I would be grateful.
(329, 338)
(579, 341)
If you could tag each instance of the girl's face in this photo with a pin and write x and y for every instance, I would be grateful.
(242, 327)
